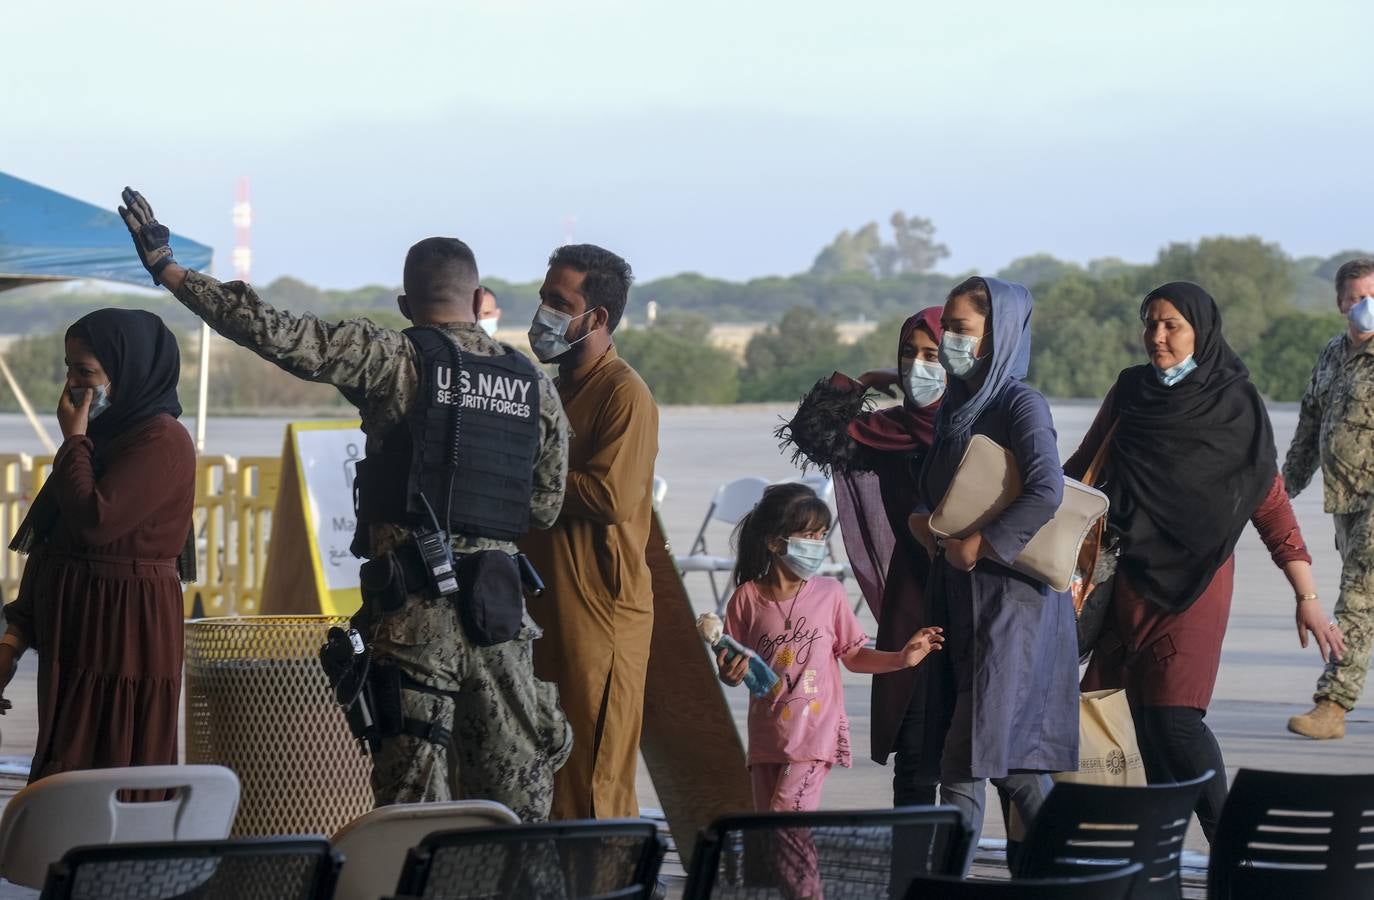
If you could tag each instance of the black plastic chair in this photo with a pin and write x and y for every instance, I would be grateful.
(591, 860)
(840, 855)
(1294, 836)
(1086, 828)
(266, 868)
(1107, 886)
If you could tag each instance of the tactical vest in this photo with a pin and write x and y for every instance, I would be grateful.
(468, 446)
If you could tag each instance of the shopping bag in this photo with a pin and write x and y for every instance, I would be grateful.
(1107, 749)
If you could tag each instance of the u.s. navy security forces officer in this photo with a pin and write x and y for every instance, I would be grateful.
(1336, 434)
(463, 426)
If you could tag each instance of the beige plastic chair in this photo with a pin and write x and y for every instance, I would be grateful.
(80, 809)
(375, 845)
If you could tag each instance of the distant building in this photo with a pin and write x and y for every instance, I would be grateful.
(735, 336)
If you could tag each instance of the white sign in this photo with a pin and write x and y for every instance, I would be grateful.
(329, 461)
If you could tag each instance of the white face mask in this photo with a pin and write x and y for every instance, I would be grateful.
(549, 333)
(1174, 374)
(1361, 315)
(99, 403)
(956, 354)
(924, 382)
(804, 556)
(489, 325)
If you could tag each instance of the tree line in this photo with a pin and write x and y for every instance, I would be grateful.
(1279, 310)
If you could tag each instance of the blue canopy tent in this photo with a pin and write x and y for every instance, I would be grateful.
(47, 236)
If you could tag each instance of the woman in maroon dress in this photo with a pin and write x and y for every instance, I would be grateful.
(1190, 461)
(110, 544)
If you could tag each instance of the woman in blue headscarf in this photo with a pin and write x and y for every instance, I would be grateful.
(1010, 705)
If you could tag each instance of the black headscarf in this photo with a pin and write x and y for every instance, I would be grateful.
(140, 355)
(1190, 464)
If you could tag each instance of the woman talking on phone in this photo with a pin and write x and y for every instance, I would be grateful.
(110, 544)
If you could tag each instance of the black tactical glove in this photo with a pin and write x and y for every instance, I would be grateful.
(150, 236)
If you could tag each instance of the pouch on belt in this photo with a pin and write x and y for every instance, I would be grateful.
(387, 580)
(491, 602)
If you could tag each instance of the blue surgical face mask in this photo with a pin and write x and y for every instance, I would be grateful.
(956, 354)
(99, 403)
(1172, 376)
(804, 557)
(549, 333)
(488, 325)
(924, 382)
(1362, 315)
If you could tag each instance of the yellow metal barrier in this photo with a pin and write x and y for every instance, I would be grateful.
(255, 496)
(213, 520)
(38, 474)
(15, 495)
(232, 520)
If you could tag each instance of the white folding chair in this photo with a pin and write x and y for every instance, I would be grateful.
(78, 809)
(660, 491)
(732, 501)
(823, 486)
(375, 844)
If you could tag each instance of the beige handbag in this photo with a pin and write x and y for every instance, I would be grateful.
(987, 482)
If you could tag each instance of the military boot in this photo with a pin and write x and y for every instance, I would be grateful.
(1325, 722)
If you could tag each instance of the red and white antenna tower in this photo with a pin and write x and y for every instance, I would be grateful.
(243, 231)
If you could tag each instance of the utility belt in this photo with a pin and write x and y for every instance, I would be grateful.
(487, 586)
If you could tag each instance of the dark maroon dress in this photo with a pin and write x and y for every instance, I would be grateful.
(101, 601)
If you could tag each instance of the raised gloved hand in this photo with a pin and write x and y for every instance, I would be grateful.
(150, 236)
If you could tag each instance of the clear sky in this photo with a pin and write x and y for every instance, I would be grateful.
(728, 137)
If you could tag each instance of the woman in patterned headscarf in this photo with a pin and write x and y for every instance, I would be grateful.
(873, 457)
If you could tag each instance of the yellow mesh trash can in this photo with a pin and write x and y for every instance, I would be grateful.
(258, 702)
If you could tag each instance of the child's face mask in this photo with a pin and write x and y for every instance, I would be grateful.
(803, 556)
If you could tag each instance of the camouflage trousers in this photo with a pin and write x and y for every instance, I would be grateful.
(1343, 680)
(508, 735)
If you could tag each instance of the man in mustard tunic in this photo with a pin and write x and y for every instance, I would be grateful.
(597, 611)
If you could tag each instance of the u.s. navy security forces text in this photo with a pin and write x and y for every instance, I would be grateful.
(499, 394)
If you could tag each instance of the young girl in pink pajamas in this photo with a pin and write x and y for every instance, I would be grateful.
(803, 627)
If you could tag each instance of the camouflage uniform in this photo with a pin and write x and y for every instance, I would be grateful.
(1336, 430)
(509, 736)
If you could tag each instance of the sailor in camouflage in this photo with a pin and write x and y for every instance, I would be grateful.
(1336, 431)
(493, 731)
